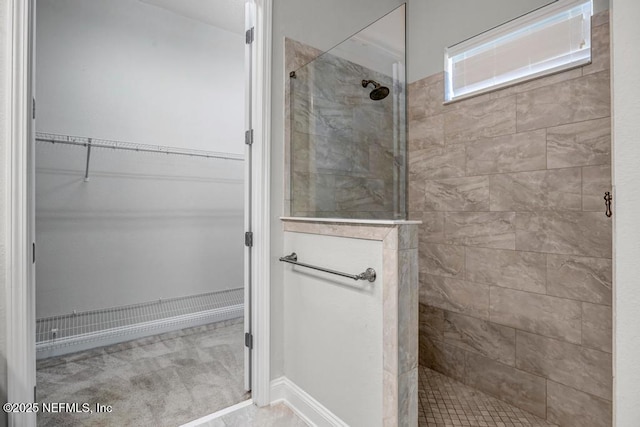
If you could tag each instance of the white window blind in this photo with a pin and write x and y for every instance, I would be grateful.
(545, 41)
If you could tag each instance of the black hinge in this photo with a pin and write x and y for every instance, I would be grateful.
(248, 238)
(33, 252)
(33, 108)
(248, 340)
(248, 137)
(249, 35)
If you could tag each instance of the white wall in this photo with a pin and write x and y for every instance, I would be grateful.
(333, 326)
(126, 70)
(322, 24)
(146, 226)
(625, 33)
(433, 25)
(5, 40)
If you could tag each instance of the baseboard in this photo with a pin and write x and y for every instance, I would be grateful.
(304, 405)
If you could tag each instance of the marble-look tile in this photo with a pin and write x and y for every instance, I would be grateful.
(492, 118)
(408, 398)
(600, 18)
(523, 271)
(564, 232)
(600, 58)
(426, 133)
(442, 260)
(407, 324)
(426, 97)
(446, 162)
(313, 192)
(537, 191)
(541, 314)
(585, 279)
(443, 358)
(486, 229)
(432, 227)
(415, 195)
(576, 100)
(548, 80)
(298, 54)
(389, 399)
(572, 365)
(431, 322)
(519, 388)
(579, 144)
(321, 117)
(596, 180)
(455, 295)
(488, 339)
(597, 326)
(408, 236)
(572, 408)
(457, 194)
(361, 194)
(390, 309)
(510, 153)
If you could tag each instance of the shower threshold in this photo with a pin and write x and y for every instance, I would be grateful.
(69, 333)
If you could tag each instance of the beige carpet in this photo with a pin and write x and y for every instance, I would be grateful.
(165, 380)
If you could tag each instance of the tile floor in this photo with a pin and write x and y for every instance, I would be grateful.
(447, 402)
(276, 415)
(163, 380)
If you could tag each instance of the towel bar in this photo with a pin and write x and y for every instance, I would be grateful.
(369, 274)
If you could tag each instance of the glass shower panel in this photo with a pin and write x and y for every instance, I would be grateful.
(348, 127)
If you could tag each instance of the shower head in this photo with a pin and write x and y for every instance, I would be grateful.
(379, 92)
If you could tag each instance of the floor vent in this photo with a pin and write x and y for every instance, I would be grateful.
(73, 332)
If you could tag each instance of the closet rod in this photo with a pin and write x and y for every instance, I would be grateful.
(130, 146)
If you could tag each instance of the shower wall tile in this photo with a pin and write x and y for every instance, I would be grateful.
(579, 144)
(596, 180)
(541, 314)
(361, 194)
(455, 295)
(486, 229)
(445, 162)
(572, 365)
(441, 357)
(576, 100)
(511, 153)
(457, 194)
(442, 260)
(523, 271)
(431, 322)
(313, 192)
(427, 133)
(537, 191)
(541, 249)
(564, 232)
(488, 339)
(519, 388)
(596, 326)
(432, 227)
(580, 278)
(491, 118)
(600, 58)
(572, 408)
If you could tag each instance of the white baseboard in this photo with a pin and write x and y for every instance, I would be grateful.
(207, 418)
(305, 406)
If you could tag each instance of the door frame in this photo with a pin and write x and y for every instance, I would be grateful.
(20, 213)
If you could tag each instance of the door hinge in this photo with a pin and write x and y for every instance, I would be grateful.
(249, 35)
(33, 108)
(248, 238)
(248, 137)
(248, 340)
(33, 252)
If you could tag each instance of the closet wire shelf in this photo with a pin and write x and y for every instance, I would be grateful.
(89, 143)
(106, 324)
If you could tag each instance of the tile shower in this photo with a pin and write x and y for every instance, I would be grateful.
(515, 248)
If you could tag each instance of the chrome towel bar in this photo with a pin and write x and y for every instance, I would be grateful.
(369, 274)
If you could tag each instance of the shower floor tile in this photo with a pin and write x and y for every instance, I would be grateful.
(447, 402)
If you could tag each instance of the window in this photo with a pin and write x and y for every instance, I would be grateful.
(550, 39)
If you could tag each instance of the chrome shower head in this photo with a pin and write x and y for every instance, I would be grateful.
(379, 92)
